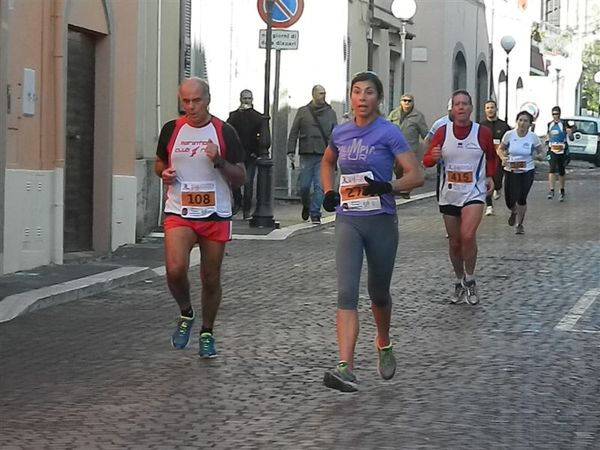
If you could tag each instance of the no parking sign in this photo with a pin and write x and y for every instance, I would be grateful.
(285, 12)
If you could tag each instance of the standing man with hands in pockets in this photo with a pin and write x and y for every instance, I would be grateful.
(311, 128)
(249, 125)
(198, 157)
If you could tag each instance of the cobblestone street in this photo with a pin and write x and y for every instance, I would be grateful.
(100, 372)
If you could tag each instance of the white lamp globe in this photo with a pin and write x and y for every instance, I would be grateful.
(597, 77)
(507, 43)
(404, 9)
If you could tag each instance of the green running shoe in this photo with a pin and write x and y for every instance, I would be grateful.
(181, 336)
(340, 378)
(386, 365)
(207, 346)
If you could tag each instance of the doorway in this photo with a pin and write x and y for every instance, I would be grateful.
(79, 157)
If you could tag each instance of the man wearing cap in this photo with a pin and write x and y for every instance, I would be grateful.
(412, 124)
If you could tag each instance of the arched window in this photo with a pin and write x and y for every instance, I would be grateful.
(482, 89)
(459, 72)
(502, 94)
(519, 94)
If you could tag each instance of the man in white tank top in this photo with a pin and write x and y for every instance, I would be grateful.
(465, 152)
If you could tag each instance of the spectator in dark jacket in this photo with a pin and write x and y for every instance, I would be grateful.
(248, 123)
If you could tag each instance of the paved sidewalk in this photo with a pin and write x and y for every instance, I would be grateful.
(519, 371)
(83, 275)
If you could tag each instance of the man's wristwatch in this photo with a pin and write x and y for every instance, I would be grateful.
(219, 163)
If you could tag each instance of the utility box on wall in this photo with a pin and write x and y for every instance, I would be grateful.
(29, 95)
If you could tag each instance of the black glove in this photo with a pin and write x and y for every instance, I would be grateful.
(331, 200)
(377, 187)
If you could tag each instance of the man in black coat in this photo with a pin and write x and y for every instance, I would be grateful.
(498, 128)
(248, 123)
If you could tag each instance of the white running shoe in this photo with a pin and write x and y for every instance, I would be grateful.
(459, 293)
(472, 293)
(489, 211)
(496, 195)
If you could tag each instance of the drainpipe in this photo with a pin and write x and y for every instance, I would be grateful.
(59, 125)
(158, 113)
(370, 46)
(3, 111)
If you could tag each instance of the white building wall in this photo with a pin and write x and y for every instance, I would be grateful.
(430, 76)
(124, 210)
(558, 87)
(441, 30)
(228, 32)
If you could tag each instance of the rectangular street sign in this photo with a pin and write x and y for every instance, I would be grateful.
(280, 39)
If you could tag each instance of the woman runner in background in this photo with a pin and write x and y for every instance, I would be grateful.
(517, 151)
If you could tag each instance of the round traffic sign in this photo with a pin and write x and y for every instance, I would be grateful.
(285, 12)
(532, 108)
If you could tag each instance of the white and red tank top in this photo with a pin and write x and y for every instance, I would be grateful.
(200, 190)
(464, 168)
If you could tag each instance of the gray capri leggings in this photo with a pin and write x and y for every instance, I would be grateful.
(377, 237)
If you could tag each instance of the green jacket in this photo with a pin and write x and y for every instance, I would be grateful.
(412, 125)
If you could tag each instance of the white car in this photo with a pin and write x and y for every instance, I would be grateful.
(586, 138)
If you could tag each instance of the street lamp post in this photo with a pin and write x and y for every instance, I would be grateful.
(263, 214)
(557, 85)
(507, 43)
(403, 10)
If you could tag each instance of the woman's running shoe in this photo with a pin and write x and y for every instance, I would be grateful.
(386, 363)
(340, 378)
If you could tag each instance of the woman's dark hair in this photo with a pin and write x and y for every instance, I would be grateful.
(525, 113)
(369, 76)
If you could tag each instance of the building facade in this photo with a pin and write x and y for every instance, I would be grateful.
(545, 65)
(86, 85)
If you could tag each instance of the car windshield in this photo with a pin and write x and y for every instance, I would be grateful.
(586, 127)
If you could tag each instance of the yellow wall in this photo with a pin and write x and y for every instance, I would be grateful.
(125, 128)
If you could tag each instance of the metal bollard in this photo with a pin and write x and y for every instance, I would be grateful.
(263, 214)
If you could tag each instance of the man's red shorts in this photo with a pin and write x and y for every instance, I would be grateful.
(214, 230)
